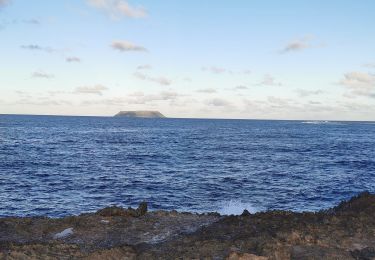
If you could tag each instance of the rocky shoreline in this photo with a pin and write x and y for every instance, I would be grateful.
(343, 232)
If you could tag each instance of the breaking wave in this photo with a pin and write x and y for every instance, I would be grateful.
(235, 207)
(316, 122)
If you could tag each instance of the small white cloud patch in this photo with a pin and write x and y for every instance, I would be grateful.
(72, 59)
(3, 3)
(126, 46)
(298, 45)
(97, 90)
(207, 90)
(160, 80)
(41, 74)
(269, 80)
(118, 8)
(359, 84)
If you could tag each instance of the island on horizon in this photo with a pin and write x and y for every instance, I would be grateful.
(140, 114)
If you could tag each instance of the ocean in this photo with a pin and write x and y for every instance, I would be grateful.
(57, 166)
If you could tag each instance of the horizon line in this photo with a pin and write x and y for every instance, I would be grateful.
(199, 118)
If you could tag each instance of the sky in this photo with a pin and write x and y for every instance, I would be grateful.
(258, 59)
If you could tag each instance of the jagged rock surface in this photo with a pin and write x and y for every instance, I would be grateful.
(344, 232)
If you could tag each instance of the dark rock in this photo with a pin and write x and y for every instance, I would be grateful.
(112, 211)
(330, 234)
(245, 213)
(142, 209)
(367, 253)
(119, 211)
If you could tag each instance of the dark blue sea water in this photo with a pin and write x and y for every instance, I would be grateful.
(57, 166)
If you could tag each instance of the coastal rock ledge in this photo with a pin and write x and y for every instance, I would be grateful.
(343, 232)
(141, 114)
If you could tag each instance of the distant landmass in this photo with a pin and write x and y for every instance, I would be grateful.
(142, 114)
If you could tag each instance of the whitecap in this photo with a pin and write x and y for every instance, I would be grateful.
(316, 122)
(235, 207)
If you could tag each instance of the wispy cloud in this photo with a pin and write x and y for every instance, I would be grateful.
(96, 90)
(298, 45)
(359, 84)
(222, 70)
(269, 80)
(34, 21)
(35, 47)
(126, 46)
(4, 3)
(118, 8)
(369, 65)
(306, 93)
(136, 98)
(215, 69)
(240, 87)
(218, 102)
(42, 101)
(41, 74)
(207, 90)
(278, 102)
(144, 67)
(160, 80)
(72, 59)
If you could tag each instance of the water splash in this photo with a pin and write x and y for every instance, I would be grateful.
(235, 207)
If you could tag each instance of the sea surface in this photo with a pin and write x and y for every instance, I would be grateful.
(57, 166)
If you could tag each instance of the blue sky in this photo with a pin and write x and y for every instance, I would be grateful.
(215, 59)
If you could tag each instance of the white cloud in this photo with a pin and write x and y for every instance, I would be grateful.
(298, 45)
(144, 67)
(369, 65)
(207, 90)
(222, 70)
(35, 47)
(359, 84)
(136, 98)
(97, 90)
(269, 80)
(118, 8)
(218, 102)
(240, 87)
(42, 101)
(306, 93)
(3, 3)
(41, 74)
(126, 46)
(72, 59)
(34, 21)
(214, 69)
(160, 80)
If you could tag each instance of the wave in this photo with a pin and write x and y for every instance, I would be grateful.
(316, 122)
(235, 207)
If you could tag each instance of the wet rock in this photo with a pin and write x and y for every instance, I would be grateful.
(245, 213)
(318, 252)
(119, 211)
(344, 232)
(142, 209)
(367, 253)
(245, 256)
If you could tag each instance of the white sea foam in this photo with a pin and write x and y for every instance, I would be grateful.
(316, 122)
(235, 207)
